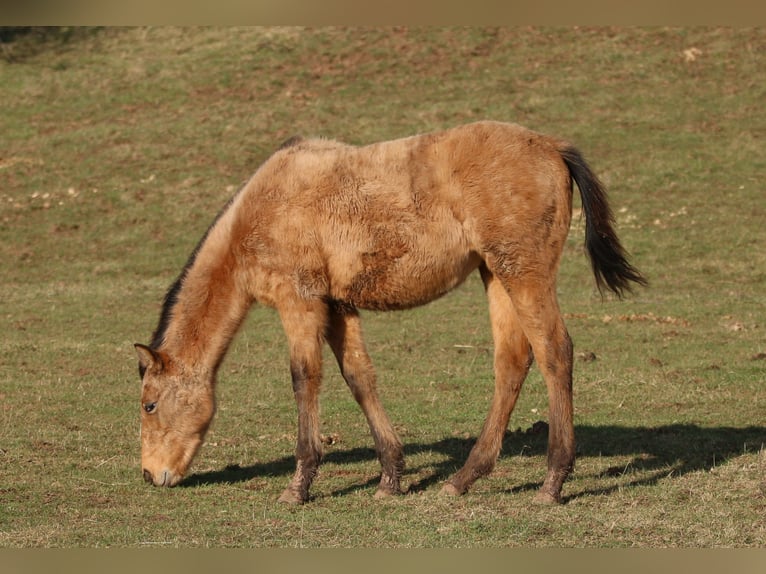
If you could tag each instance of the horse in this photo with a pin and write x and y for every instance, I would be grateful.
(323, 230)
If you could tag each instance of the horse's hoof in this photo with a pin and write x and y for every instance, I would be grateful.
(449, 490)
(289, 497)
(546, 498)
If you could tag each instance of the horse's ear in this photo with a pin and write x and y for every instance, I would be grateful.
(148, 359)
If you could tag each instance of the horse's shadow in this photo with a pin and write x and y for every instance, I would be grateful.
(656, 452)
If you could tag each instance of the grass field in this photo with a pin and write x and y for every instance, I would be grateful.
(119, 146)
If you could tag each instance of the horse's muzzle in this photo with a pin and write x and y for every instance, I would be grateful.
(164, 479)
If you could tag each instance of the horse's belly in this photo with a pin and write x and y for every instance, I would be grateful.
(391, 280)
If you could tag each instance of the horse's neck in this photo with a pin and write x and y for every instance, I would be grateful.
(210, 305)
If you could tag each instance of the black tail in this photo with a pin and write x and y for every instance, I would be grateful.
(607, 256)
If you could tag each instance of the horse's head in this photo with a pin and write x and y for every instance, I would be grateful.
(176, 410)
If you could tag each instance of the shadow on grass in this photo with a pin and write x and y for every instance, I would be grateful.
(658, 452)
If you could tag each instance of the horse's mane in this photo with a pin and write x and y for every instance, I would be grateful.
(171, 297)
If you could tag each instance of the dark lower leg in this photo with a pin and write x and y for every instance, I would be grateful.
(391, 458)
(304, 325)
(345, 339)
(308, 452)
(556, 365)
(297, 492)
(561, 440)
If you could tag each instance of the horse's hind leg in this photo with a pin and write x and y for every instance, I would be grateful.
(512, 361)
(304, 323)
(345, 338)
(538, 310)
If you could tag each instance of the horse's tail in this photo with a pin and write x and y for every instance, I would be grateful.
(607, 256)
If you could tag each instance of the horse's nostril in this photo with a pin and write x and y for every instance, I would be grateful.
(148, 476)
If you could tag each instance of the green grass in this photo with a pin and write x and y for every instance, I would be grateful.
(119, 146)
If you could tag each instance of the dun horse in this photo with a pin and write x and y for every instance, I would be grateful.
(324, 229)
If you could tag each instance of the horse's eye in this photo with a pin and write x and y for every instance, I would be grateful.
(150, 407)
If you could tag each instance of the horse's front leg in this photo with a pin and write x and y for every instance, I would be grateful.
(304, 324)
(346, 341)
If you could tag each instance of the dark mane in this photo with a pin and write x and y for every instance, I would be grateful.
(290, 142)
(171, 297)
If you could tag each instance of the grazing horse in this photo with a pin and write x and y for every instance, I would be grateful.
(324, 229)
